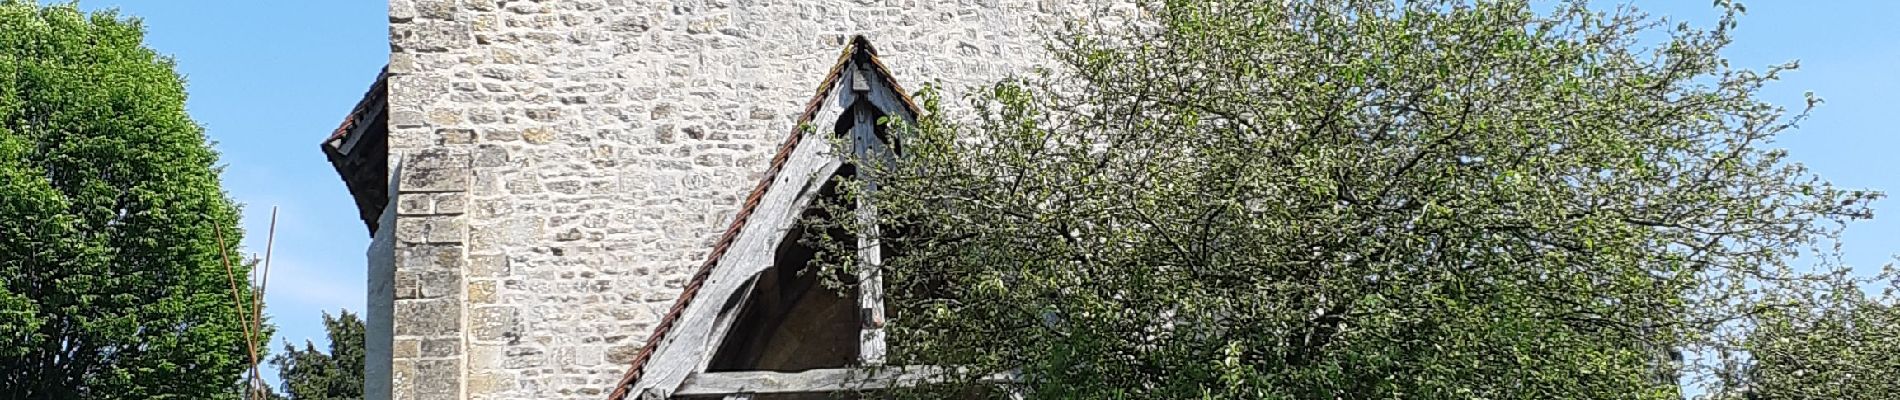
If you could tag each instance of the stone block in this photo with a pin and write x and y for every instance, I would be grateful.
(428, 318)
(664, 134)
(444, 229)
(487, 266)
(402, 63)
(402, 376)
(401, 11)
(523, 184)
(406, 349)
(435, 9)
(494, 323)
(490, 156)
(565, 186)
(437, 158)
(484, 25)
(414, 205)
(411, 230)
(407, 285)
(481, 5)
(521, 357)
(538, 135)
(544, 114)
(622, 354)
(501, 135)
(438, 348)
(484, 356)
(455, 135)
(490, 382)
(483, 115)
(438, 379)
(481, 292)
(430, 36)
(426, 257)
(450, 203)
(439, 284)
(508, 233)
(403, 120)
(487, 184)
(418, 178)
(580, 355)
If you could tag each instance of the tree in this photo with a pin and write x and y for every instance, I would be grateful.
(310, 374)
(115, 279)
(1833, 343)
(246, 390)
(1346, 199)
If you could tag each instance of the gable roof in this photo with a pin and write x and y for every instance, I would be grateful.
(359, 151)
(858, 48)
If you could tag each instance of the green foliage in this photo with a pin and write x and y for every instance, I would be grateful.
(1838, 343)
(114, 286)
(1348, 199)
(310, 374)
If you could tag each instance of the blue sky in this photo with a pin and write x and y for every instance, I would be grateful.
(1849, 52)
(270, 78)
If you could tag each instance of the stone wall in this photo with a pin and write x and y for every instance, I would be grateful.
(566, 164)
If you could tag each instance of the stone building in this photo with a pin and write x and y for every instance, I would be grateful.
(551, 184)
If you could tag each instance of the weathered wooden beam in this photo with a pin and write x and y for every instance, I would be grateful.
(874, 86)
(718, 384)
(867, 83)
(871, 345)
(655, 394)
(809, 196)
(870, 251)
(728, 316)
(688, 346)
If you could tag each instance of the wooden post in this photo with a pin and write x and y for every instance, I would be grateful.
(870, 255)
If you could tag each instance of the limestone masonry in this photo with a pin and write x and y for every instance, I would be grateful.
(561, 167)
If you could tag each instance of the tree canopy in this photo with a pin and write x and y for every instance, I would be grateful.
(1836, 343)
(1351, 199)
(311, 374)
(115, 285)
